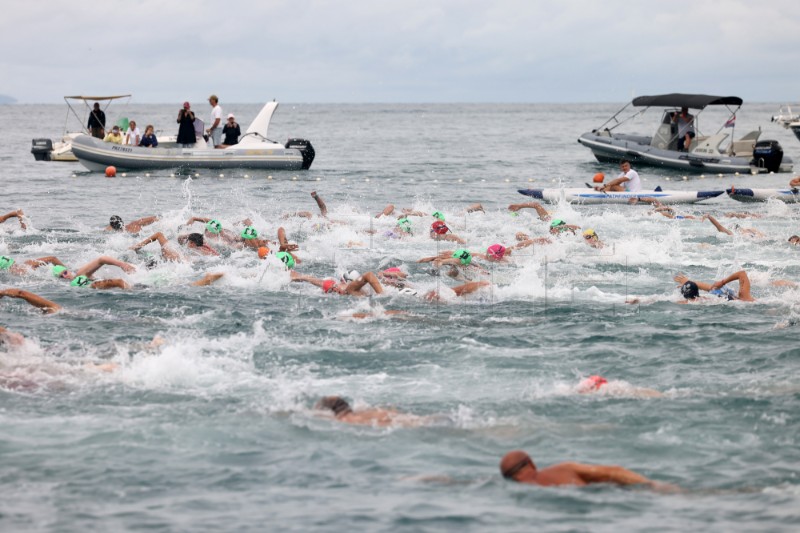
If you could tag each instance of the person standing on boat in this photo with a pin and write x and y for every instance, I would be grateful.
(231, 131)
(186, 135)
(133, 136)
(215, 131)
(685, 123)
(628, 180)
(97, 122)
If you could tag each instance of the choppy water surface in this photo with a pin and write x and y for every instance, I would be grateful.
(214, 430)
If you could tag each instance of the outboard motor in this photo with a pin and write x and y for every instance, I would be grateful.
(41, 149)
(768, 155)
(306, 149)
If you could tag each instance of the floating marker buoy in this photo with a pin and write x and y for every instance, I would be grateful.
(367, 179)
(222, 175)
(247, 176)
(736, 174)
(110, 172)
(147, 175)
(667, 178)
(269, 177)
(294, 178)
(685, 178)
(319, 179)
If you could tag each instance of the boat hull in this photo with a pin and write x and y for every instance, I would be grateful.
(590, 196)
(96, 155)
(762, 195)
(611, 149)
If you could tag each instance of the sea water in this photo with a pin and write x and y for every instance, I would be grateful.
(214, 429)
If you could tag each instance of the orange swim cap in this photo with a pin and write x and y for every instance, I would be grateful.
(599, 177)
(263, 252)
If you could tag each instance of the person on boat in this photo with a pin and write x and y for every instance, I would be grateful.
(353, 287)
(115, 224)
(114, 137)
(369, 417)
(628, 180)
(83, 276)
(691, 289)
(18, 214)
(149, 139)
(518, 466)
(97, 122)
(133, 136)
(186, 134)
(231, 132)
(215, 130)
(34, 299)
(20, 269)
(685, 122)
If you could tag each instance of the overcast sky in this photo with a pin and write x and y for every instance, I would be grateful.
(164, 51)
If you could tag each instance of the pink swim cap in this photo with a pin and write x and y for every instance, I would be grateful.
(327, 285)
(496, 251)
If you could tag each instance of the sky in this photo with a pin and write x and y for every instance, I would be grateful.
(387, 51)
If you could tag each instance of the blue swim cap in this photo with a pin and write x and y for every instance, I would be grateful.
(80, 281)
(287, 259)
(213, 226)
(249, 233)
(463, 255)
(5, 262)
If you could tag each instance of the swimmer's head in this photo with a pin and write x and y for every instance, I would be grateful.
(496, 252)
(5, 262)
(590, 234)
(439, 215)
(287, 259)
(351, 276)
(690, 290)
(404, 224)
(440, 228)
(249, 233)
(463, 255)
(196, 239)
(58, 270)
(80, 281)
(214, 226)
(263, 252)
(514, 462)
(328, 285)
(794, 239)
(557, 225)
(116, 223)
(337, 404)
(591, 383)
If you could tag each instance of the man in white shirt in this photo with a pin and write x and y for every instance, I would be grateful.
(628, 180)
(215, 131)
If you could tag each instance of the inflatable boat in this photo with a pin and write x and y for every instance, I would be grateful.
(762, 195)
(590, 196)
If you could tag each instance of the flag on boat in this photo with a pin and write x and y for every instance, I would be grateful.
(731, 122)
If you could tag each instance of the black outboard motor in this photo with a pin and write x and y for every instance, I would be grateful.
(305, 148)
(41, 149)
(768, 155)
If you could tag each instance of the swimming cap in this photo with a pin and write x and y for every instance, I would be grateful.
(496, 251)
(463, 255)
(596, 381)
(599, 177)
(287, 259)
(439, 215)
(327, 285)
(115, 222)
(249, 233)
(213, 226)
(557, 222)
(439, 227)
(589, 233)
(58, 270)
(80, 281)
(196, 239)
(514, 213)
(263, 252)
(689, 290)
(351, 276)
(5, 262)
(404, 224)
(393, 269)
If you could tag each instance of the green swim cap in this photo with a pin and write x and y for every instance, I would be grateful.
(404, 224)
(80, 281)
(5, 262)
(249, 233)
(58, 270)
(557, 222)
(287, 259)
(463, 255)
(213, 226)
(439, 215)
(514, 213)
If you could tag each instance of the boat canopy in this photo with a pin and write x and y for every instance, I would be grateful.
(694, 101)
(84, 98)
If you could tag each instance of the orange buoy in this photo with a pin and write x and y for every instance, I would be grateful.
(111, 172)
(599, 177)
(263, 252)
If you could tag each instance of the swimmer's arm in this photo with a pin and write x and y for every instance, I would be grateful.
(323, 209)
(284, 245)
(541, 211)
(18, 214)
(137, 225)
(470, 287)
(195, 219)
(34, 299)
(681, 278)
(208, 279)
(95, 265)
(744, 284)
(48, 260)
(455, 261)
(297, 276)
(720, 227)
(475, 207)
(367, 277)
(408, 212)
(110, 284)
(608, 474)
(388, 210)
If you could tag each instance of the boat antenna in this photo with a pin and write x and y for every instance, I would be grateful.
(618, 122)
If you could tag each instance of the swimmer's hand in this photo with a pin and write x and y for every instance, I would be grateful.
(717, 285)
(681, 278)
(289, 247)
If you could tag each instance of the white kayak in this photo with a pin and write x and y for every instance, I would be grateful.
(590, 196)
(762, 195)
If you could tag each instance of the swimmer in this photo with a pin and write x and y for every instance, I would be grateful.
(167, 252)
(18, 214)
(591, 238)
(691, 289)
(393, 276)
(795, 182)
(518, 466)
(82, 277)
(440, 232)
(213, 230)
(115, 224)
(558, 226)
(747, 232)
(524, 240)
(196, 242)
(541, 211)
(794, 240)
(366, 417)
(600, 384)
(34, 299)
(10, 338)
(8, 263)
(460, 290)
(345, 288)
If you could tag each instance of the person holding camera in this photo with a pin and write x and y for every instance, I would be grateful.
(186, 134)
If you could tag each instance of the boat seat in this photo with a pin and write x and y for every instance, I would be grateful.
(744, 146)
